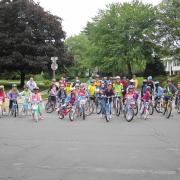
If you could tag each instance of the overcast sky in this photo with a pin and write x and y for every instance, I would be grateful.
(76, 13)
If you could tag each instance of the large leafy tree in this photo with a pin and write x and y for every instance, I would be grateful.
(83, 51)
(125, 36)
(169, 28)
(29, 36)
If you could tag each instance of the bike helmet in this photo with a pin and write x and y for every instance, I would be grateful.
(149, 78)
(148, 88)
(156, 82)
(118, 77)
(36, 88)
(14, 85)
(77, 85)
(1, 87)
(131, 87)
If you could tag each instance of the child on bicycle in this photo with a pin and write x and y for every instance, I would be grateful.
(62, 94)
(3, 98)
(52, 93)
(25, 95)
(36, 97)
(147, 95)
(169, 92)
(13, 95)
(109, 93)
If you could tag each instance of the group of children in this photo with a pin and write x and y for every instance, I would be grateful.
(14, 95)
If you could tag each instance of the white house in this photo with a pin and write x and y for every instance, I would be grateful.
(172, 66)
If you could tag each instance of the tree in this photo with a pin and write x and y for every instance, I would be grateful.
(125, 36)
(169, 28)
(82, 49)
(29, 36)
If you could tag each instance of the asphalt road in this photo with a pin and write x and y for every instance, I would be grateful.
(55, 149)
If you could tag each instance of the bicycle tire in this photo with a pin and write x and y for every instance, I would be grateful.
(168, 111)
(60, 114)
(151, 109)
(83, 112)
(98, 107)
(49, 107)
(178, 106)
(131, 111)
(135, 110)
(118, 107)
(71, 114)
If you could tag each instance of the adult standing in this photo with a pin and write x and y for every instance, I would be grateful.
(135, 81)
(31, 84)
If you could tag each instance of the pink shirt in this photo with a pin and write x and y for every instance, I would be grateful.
(35, 97)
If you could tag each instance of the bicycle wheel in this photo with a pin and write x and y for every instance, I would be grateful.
(158, 107)
(145, 113)
(151, 109)
(49, 107)
(98, 107)
(168, 110)
(36, 117)
(83, 113)
(118, 107)
(135, 109)
(15, 112)
(178, 106)
(60, 114)
(129, 114)
(71, 114)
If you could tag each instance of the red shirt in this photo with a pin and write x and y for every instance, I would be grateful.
(2, 95)
(125, 83)
(147, 96)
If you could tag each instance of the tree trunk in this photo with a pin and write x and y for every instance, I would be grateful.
(22, 78)
(129, 69)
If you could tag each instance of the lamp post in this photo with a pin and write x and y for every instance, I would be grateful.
(54, 66)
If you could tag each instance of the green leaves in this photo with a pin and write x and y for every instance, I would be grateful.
(120, 32)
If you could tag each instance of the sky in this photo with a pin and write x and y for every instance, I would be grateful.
(76, 13)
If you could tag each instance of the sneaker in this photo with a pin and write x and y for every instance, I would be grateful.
(110, 116)
(41, 118)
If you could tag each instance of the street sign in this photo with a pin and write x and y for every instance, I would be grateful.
(54, 66)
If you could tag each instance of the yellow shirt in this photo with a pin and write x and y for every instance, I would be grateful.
(68, 90)
(136, 83)
(92, 90)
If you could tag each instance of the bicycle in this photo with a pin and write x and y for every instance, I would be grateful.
(144, 111)
(50, 105)
(158, 105)
(118, 105)
(36, 110)
(14, 108)
(64, 110)
(25, 106)
(107, 109)
(79, 108)
(128, 109)
(90, 104)
(98, 103)
(168, 108)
